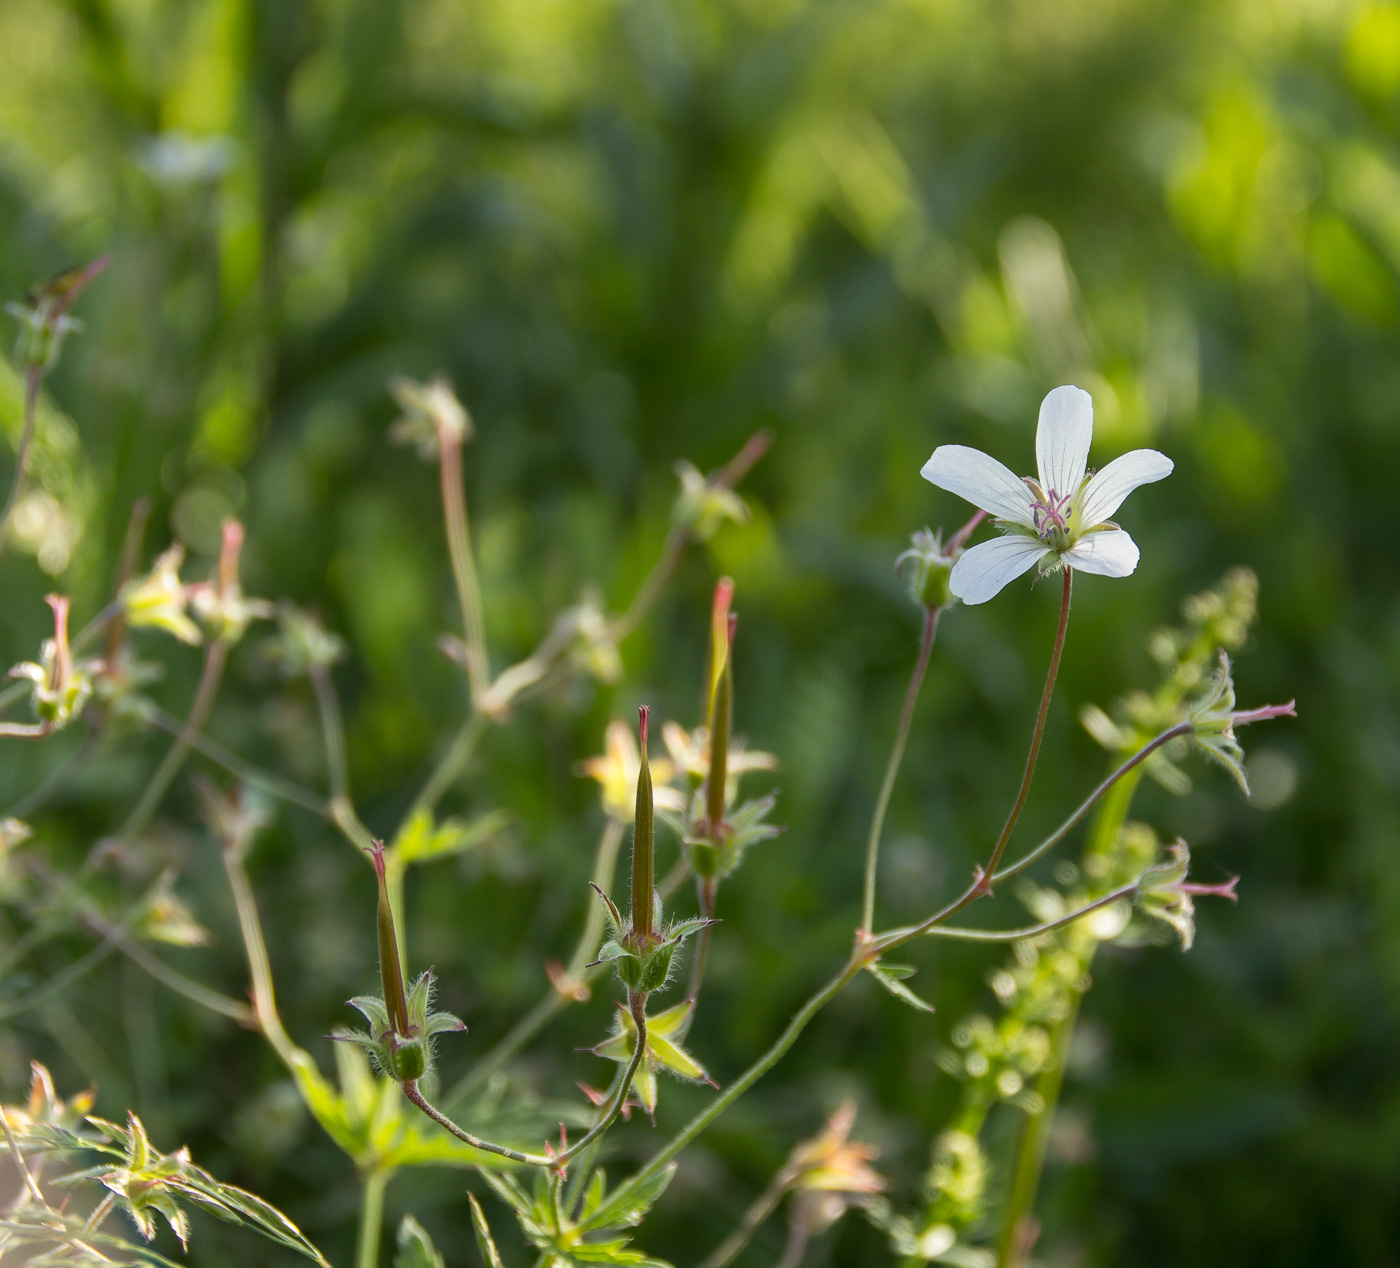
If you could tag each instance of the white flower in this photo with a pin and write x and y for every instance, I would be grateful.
(1058, 521)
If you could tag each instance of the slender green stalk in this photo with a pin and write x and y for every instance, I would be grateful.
(1037, 735)
(459, 547)
(1029, 1157)
(372, 1188)
(553, 1161)
(759, 1210)
(643, 843)
(215, 657)
(255, 947)
(447, 770)
(1035, 1136)
(235, 765)
(734, 1091)
(60, 981)
(332, 731)
(898, 937)
(195, 992)
(882, 805)
(57, 779)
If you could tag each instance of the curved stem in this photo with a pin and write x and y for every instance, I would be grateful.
(1050, 842)
(371, 1218)
(555, 1162)
(732, 1093)
(898, 937)
(906, 717)
(33, 376)
(215, 657)
(259, 968)
(1038, 734)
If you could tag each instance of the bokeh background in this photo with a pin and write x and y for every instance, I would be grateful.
(634, 231)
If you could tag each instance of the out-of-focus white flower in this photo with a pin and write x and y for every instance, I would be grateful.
(1058, 520)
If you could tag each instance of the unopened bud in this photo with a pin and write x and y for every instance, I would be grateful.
(925, 568)
(643, 840)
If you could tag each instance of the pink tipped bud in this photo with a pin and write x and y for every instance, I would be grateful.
(229, 552)
(1226, 889)
(1246, 716)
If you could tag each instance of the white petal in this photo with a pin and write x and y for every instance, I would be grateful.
(1110, 486)
(1062, 439)
(1111, 553)
(982, 480)
(982, 571)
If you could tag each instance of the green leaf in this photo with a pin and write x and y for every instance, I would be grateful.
(422, 841)
(490, 1256)
(416, 1249)
(627, 1209)
(891, 977)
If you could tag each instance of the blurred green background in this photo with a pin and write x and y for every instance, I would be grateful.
(636, 230)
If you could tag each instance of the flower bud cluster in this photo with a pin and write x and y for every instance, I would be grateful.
(703, 505)
(62, 686)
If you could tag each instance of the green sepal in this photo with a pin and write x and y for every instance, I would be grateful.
(891, 977)
(415, 1247)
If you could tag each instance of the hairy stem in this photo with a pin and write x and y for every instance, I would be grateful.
(555, 1162)
(882, 805)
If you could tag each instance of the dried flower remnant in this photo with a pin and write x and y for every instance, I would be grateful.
(1214, 718)
(1165, 894)
(617, 770)
(159, 599)
(1059, 519)
(431, 414)
(220, 603)
(62, 686)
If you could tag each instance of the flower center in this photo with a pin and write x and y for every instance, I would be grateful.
(1051, 513)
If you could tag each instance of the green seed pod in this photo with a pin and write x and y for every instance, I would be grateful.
(643, 844)
(721, 718)
(390, 971)
(408, 1060)
(656, 968)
